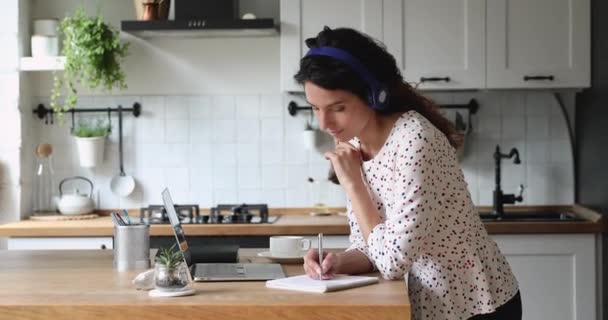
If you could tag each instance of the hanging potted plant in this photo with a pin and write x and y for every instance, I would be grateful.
(93, 53)
(90, 138)
(310, 135)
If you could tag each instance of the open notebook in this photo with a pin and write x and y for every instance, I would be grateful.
(305, 283)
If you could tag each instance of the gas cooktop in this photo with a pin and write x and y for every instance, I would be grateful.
(221, 214)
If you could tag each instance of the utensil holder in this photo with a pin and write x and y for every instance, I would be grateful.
(132, 247)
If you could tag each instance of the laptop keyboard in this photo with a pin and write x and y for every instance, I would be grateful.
(221, 270)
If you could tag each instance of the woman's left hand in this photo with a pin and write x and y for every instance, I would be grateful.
(346, 161)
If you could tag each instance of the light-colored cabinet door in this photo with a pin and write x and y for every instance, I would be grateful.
(538, 43)
(302, 19)
(437, 43)
(556, 274)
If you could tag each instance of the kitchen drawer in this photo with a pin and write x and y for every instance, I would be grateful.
(65, 243)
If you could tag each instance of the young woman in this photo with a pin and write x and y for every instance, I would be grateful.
(409, 209)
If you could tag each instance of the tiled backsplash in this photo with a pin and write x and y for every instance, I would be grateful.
(227, 149)
(532, 122)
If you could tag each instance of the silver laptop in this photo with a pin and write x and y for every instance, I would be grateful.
(218, 271)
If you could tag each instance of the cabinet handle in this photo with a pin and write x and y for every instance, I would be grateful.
(103, 247)
(549, 77)
(434, 79)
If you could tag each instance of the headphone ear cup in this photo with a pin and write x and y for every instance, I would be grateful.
(378, 100)
(383, 97)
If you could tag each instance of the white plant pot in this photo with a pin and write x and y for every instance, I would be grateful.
(90, 151)
(309, 139)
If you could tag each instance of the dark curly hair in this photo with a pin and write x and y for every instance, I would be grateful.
(332, 74)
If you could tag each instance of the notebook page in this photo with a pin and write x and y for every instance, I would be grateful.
(305, 283)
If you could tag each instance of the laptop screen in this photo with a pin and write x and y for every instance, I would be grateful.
(177, 227)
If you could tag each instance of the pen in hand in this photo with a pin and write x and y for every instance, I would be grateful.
(320, 247)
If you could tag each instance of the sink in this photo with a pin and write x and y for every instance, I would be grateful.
(530, 216)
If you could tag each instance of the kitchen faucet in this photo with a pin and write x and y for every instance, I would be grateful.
(499, 198)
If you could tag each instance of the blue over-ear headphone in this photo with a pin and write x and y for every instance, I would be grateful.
(378, 94)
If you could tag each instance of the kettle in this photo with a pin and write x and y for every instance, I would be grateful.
(72, 204)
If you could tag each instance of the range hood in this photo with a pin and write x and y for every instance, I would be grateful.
(201, 28)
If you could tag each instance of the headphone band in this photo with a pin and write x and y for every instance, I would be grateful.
(350, 60)
(378, 94)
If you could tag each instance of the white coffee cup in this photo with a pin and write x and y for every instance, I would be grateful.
(288, 245)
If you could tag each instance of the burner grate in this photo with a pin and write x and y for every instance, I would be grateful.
(222, 213)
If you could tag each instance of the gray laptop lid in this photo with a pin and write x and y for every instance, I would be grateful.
(217, 271)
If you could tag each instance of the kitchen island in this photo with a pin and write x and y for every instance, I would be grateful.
(83, 285)
(554, 261)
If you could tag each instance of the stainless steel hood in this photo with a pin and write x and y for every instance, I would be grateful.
(201, 28)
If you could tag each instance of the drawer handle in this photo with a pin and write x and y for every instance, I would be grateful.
(549, 77)
(103, 247)
(434, 79)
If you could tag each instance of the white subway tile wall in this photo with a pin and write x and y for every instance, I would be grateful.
(231, 149)
(532, 122)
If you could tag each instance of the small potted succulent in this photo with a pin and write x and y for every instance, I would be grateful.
(170, 271)
(90, 138)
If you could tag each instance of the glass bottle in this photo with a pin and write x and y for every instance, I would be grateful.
(43, 180)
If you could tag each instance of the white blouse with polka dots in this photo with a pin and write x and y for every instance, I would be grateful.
(431, 232)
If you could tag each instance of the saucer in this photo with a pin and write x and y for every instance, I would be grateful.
(157, 293)
(283, 259)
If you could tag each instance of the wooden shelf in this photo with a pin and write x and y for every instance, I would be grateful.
(42, 63)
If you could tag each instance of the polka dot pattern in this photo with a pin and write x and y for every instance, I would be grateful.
(431, 234)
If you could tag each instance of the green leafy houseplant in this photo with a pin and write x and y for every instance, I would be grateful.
(169, 271)
(93, 53)
(90, 128)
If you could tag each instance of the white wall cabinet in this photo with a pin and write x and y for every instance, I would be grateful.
(302, 19)
(65, 243)
(477, 44)
(556, 274)
(547, 39)
(439, 41)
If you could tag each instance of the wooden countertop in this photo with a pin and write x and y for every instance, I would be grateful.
(102, 226)
(83, 285)
(296, 222)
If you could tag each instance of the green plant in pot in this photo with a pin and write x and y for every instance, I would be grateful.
(170, 271)
(90, 135)
(93, 53)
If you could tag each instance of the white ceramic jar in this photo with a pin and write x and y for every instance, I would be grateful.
(45, 41)
(45, 46)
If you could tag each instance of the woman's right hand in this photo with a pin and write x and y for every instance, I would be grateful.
(313, 269)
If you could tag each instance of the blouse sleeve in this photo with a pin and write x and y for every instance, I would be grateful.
(357, 242)
(395, 244)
